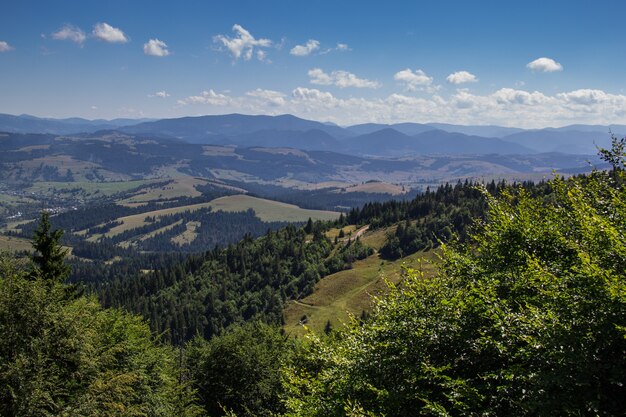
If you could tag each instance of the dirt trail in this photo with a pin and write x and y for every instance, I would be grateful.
(357, 234)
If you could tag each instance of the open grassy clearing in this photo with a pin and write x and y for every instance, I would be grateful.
(377, 187)
(350, 292)
(332, 233)
(129, 242)
(271, 211)
(138, 220)
(15, 225)
(266, 210)
(14, 244)
(175, 188)
(188, 236)
(15, 199)
(377, 238)
(157, 231)
(87, 188)
(80, 169)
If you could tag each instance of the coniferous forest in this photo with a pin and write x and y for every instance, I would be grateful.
(525, 317)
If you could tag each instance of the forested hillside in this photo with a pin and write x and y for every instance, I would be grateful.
(526, 317)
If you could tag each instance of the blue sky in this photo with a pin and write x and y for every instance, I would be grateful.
(526, 63)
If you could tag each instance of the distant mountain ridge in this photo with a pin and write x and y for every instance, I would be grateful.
(114, 156)
(371, 139)
(390, 142)
(198, 129)
(31, 124)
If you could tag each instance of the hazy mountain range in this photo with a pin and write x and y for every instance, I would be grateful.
(402, 139)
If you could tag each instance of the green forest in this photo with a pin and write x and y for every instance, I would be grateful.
(526, 315)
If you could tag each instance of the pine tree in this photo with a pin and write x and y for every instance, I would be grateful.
(49, 256)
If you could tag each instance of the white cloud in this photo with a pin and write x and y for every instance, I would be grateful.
(155, 47)
(544, 65)
(243, 44)
(108, 33)
(70, 33)
(312, 94)
(586, 97)
(461, 77)
(305, 50)
(511, 96)
(271, 97)
(208, 97)
(159, 94)
(341, 79)
(318, 76)
(5, 47)
(341, 47)
(261, 55)
(413, 80)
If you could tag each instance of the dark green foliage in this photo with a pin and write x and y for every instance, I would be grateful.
(434, 217)
(66, 356)
(322, 199)
(248, 280)
(49, 256)
(528, 320)
(427, 220)
(353, 250)
(240, 370)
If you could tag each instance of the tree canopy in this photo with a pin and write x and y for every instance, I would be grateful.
(529, 318)
(49, 257)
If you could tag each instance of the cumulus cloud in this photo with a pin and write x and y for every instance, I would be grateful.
(271, 97)
(413, 80)
(544, 65)
(5, 47)
(70, 33)
(306, 49)
(155, 47)
(341, 79)
(587, 97)
(243, 44)
(342, 47)
(208, 97)
(159, 94)
(511, 96)
(461, 77)
(312, 94)
(108, 33)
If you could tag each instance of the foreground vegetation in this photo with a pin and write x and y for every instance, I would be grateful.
(530, 319)
(526, 318)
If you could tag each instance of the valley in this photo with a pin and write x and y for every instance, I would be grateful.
(312, 209)
(308, 229)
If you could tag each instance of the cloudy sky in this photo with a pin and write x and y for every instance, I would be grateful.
(525, 63)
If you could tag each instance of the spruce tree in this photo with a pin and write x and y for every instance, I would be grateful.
(49, 256)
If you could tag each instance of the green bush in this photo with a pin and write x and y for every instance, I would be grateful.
(528, 319)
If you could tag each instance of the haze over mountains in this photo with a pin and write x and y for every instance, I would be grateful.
(396, 140)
